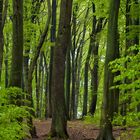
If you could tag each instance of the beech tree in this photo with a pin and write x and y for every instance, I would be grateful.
(33, 64)
(53, 39)
(112, 48)
(59, 118)
(3, 14)
(70, 58)
(1, 38)
(17, 49)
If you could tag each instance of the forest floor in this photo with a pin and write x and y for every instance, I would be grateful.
(77, 130)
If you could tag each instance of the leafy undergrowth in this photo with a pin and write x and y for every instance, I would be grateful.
(79, 130)
(13, 117)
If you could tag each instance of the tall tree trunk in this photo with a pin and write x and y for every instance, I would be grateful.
(112, 44)
(136, 40)
(86, 70)
(1, 38)
(17, 50)
(46, 85)
(68, 78)
(73, 94)
(26, 68)
(59, 118)
(53, 39)
(6, 61)
(97, 26)
(78, 63)
(94, 71)
(37, 90)
(3, 15)
(41, 84)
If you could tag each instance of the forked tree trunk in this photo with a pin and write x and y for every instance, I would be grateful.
(33, 64)
(59, 118)
(35, 9)
(112, 44)
(96, 28)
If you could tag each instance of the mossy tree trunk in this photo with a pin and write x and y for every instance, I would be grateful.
(112, 45)
(3, 15)
(6, 61)
(59, 118)
(53, 39)
(1, 37)
(17, 49)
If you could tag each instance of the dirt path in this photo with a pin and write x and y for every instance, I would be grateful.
(77, 130)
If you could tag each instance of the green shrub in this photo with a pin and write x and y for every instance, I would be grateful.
(129, 86)
(13, 117)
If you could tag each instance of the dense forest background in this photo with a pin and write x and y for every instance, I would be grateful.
(68, 60)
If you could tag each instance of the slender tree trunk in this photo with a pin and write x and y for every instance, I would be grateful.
(59, 118)
(94, 81)
(73, 94)
(41, 84)
(53, 39)
(86, 70)
(97, 26)
(37, 90)
(33, 64)
(94, 71)
(26, 68)
(46, 85)
(137, 39)
(1, 38)
(3, 15)
(6, 61)
(112, 44)
(68, 79)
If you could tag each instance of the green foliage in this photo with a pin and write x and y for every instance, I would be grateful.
(13, 118)
(89, 119)
(129, 81)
